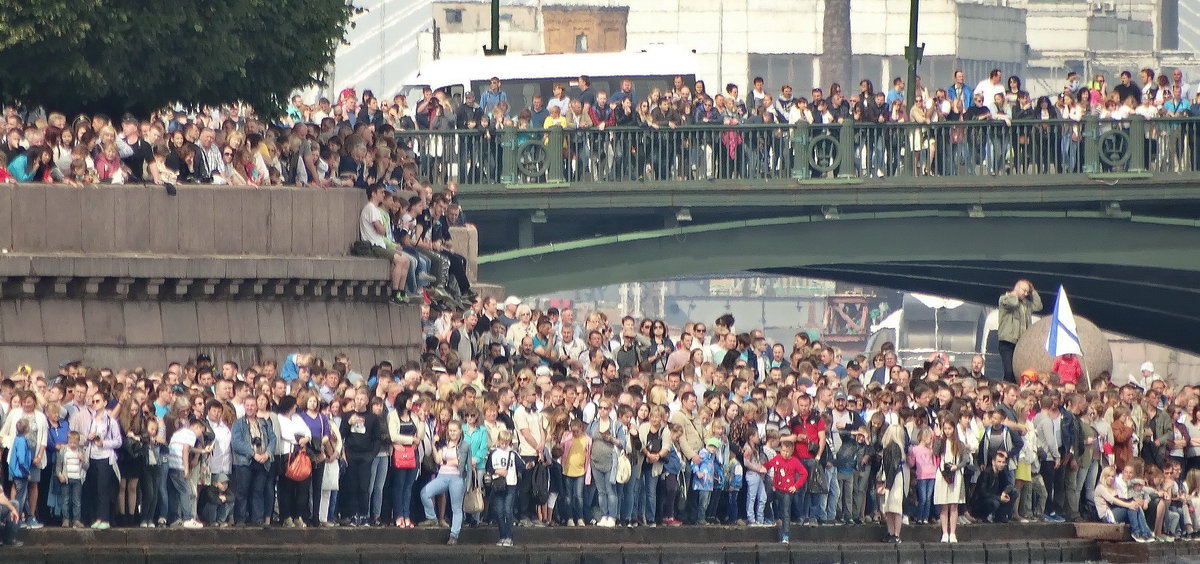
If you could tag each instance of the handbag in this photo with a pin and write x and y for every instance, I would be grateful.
(818, 482)
(429, 464)
(624, 469)
(473, 500)
(404, 457)
(299, 466)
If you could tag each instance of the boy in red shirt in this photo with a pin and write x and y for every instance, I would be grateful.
(788, 476)
(1069, 369)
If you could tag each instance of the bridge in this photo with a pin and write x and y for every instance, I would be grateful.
(1117, 225)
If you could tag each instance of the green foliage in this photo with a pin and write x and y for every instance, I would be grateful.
(138, 55)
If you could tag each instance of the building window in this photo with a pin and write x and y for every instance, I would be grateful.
(581, 43)
(453, 16)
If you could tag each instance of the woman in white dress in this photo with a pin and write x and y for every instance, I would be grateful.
(948, 489)
(890, 482)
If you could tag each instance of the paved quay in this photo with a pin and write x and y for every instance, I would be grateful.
(1034, 543)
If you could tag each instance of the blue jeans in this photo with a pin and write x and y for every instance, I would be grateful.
(785, 513)
(72, 500)
(164, 488)
(834, 495)
(442, 483)
(572, 494)
(1135, 518)
(924, 499)
(181, 498)
(379, 469)
(702, 499)
(756, 497)
(502, 508)
(610, 504)
(22, 498)
(631, 496)
(649, 499)
(252, 502)
(402, 485)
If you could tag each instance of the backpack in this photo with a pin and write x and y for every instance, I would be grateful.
(540, 484)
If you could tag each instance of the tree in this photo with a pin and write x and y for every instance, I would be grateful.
(137, 56)
(835, 43)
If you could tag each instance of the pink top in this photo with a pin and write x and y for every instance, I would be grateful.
(921, 459)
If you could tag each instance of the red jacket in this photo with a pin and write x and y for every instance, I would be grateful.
(787, 473)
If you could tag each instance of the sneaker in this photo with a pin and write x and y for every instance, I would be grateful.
(101, 525)
(192, 524)
(400, 298)
(783, 540)
(77, 525)
(288, 523)
(34, 524)
(953, 538)
(945, 537)
(453, 541)
(429, 524)
(1141, 539)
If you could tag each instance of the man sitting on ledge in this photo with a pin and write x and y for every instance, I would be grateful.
(373, 229)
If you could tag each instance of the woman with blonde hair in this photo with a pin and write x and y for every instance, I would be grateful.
(890, 482)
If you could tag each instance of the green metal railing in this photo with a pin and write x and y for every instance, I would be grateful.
(804, 152)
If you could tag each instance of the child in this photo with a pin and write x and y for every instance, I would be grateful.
(70, 470)
(218, 502)
(850, 457)
(704, 476)
(20, 464)
(577, 472)
(755, 471)
(182, 442)
(151, 483)
(1069, 369)
(667, 502)
(331, 478)
(920, 459)
(788, 475)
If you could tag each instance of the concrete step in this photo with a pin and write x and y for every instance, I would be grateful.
(1033, 552)
(552, 536)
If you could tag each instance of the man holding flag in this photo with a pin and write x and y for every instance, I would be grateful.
(1016, 314)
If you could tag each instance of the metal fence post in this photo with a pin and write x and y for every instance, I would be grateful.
(1137, 143)
(846, 149)
(554, 154)
(508, 156)
(801, 151)
(1091, 144)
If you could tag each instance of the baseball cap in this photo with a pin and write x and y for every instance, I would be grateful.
(839, 396)
(713, 442)
(1147, 367)
(542, 371)
(512, 301)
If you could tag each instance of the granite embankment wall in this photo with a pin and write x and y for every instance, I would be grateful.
(130, 276)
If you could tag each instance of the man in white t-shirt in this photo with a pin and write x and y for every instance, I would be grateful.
(373, 228)
(180, 507)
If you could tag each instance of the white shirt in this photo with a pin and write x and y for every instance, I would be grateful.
(366, 225)
(504, 458)
(290, 427)
(221, 459)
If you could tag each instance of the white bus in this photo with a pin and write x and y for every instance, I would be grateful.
(524, 76)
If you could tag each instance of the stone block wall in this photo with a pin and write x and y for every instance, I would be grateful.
(125, 276)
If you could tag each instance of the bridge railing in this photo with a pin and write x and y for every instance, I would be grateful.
(804, 152)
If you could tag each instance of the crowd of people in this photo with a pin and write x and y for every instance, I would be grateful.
(515, 416)
(989, 128)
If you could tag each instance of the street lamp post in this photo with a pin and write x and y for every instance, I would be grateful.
(496, 49)
(912, 54)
